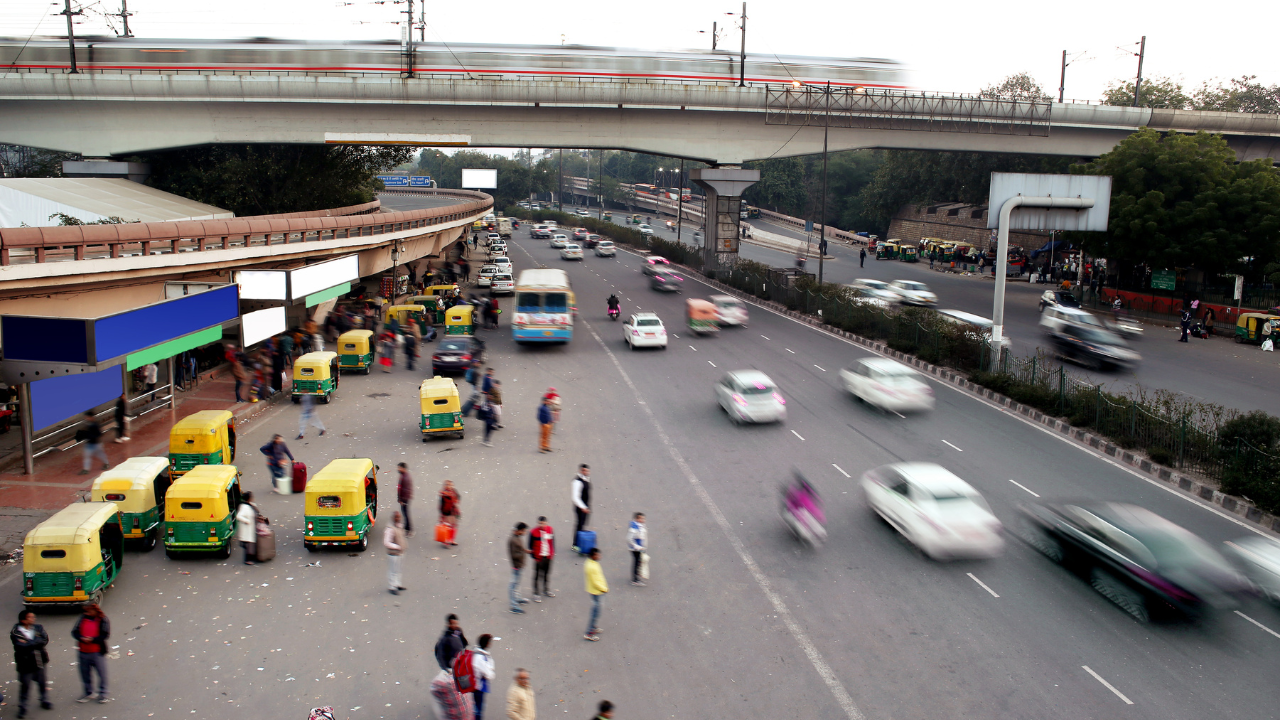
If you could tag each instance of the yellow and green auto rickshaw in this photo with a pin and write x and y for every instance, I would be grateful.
(404, 314)
(441, 410)
(634, 220)
(701, 316)
(1249, 327)
(608, 216)
(72, 557)
(200, 511)
(355, 350)
(909, 254)
(460, 320)
(887, 250)
(342, 504)
(137, 486)
(315, 373)
(207, 437)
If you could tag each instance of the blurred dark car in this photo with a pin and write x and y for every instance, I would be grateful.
(1093, 347)
(666, 281)
(1145, 564)
(455, 354)
(1062, 298)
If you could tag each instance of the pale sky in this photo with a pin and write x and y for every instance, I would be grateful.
(946, 46)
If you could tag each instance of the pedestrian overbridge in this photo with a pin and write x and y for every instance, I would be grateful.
(100, 114)
(60, 270)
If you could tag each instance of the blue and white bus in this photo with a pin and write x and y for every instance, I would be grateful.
(545, 307)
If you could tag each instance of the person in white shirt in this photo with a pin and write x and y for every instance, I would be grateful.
(247, 527)
(149, 376)
(393, 542)
(484, 667)
(637, 543)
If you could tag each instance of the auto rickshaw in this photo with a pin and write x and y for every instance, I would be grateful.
(137, 486)
(460, 320)
(342, 504)
(200, 511)
(608, 215)
(72, 557)
(355, 350)
(404, 314)
(315, 373)
(1249, 327)
(887, 250)
(701, 316)
(207, 437)
(441, 411)
(634, 220)
(909, 254)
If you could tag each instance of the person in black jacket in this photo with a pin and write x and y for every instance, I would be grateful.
(450, 643)
(91, 633)
(29, 654)
(91, 436)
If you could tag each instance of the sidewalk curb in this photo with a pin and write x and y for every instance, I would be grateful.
(1189, 485)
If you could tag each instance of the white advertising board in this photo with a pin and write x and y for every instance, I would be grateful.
(479, 179)
(1010, 185)
(322, 276)
(261, 324)
(262, 284)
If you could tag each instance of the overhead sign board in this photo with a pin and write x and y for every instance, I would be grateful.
(1010, 185)
(263, 284)
(419, 181)
(394, 180)
(1164, 280)
(262, 324)
(479, 179)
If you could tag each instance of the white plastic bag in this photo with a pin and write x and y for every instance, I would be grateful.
(644, 566)
(1268, 346)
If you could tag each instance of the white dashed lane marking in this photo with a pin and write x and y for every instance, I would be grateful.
(793, 432)
(957, 449)
(842, 472)
(982, 584)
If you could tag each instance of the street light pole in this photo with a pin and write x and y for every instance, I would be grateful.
(1062, 79)
(1137, 85)
(680, 207)
(742, 60)
(822, 242)
(71, 34)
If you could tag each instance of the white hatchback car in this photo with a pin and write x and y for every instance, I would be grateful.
(558, 241)
(911, 292)
(486, 275)
(493, 238)
(645, 230)
(502, 284)
(605, 248)
(936, 511)
(503, 263)
(729, 310)
(888, 385)
(644, 330)
(750, 396)
(572, 251)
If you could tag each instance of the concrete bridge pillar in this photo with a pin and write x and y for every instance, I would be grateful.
(724, 187)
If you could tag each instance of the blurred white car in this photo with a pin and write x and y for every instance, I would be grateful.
(486, 275)
(503, 263)
(605, 248)
(874, 290)
(936, 511)
(558, 241)
(888, 385)
(1260, 557)
(572, 251)
(645, 230)
(750, 396)
(729, 310)
(911, 292)
(644, 330)
(976, 326)
(582, 213)
(502, 284)
(493, 238)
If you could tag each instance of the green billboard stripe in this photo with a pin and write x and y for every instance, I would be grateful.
(333, 292)
(173, 347)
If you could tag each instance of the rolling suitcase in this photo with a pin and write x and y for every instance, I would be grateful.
(299, 477)
(266, 542)
(585, 541)
(444, 533)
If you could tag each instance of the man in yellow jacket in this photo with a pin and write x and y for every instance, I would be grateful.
(520, 701)
(596, 587)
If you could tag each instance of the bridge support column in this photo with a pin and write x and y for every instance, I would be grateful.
(724, 187)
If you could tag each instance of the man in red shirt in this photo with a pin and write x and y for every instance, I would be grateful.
(542, 546)
(91, 632)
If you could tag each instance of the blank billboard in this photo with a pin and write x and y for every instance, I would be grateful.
(262, 324)
(479, 179)
(61, 398)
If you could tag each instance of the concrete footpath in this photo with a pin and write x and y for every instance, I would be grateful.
(26, 500)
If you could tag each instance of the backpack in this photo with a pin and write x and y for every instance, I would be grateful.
(464, 672)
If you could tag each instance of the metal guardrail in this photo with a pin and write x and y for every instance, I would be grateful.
(875, 109)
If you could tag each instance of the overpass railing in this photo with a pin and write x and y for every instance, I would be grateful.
(21, 246)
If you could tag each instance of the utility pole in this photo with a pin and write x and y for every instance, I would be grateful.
(422, 21)
(560, 192)
(741, 62)
(408, 39)
(1062, 79)
(680, 207)
(822, 242)
(71, 33)
(124, 16)
(1137, 86)
(600, 183)
(713, 37)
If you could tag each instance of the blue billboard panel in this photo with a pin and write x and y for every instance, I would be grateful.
(394, 180)
(62, 398)
(129, 332)
(41, 339)
(419, 181)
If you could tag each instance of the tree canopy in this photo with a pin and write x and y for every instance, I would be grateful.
(1183, 201)
(1243, 94)
(268, 179)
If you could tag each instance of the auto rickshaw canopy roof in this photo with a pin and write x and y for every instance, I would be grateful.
(355, 337)
(342, 475)
(1262, 317)
(316, 359)
(137, 473)
(203, 422)
(203, 482)
(437, 386)
(73, 524)
(460, 315)
(398, 309)
(700, 309)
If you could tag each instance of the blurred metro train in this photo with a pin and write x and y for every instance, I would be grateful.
(288, 57)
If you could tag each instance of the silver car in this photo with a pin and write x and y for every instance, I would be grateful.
(749, 396)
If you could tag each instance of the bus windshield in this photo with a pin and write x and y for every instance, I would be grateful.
(555, 302)
(529, 302)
